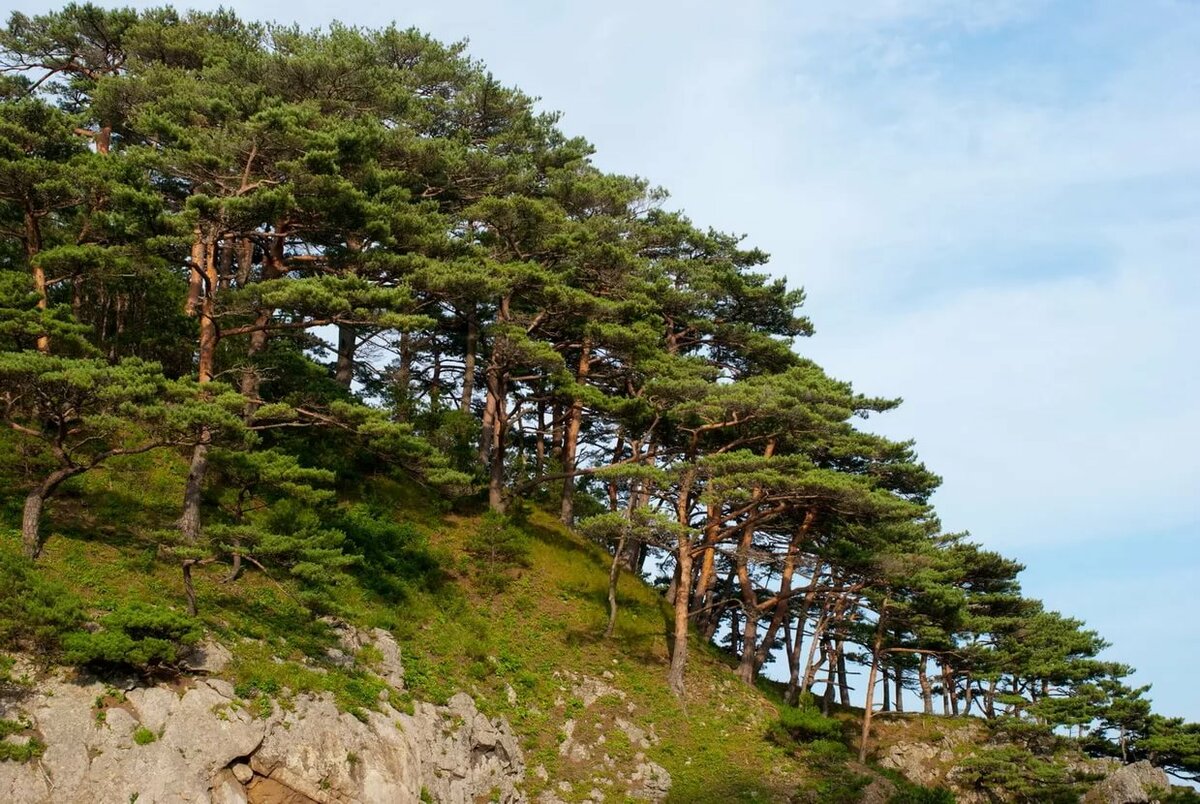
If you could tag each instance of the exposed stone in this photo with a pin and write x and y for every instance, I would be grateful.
(1131, 784)
(209, 748)
(209, 657)
(228, 789)
(655, 782)
(352, 640)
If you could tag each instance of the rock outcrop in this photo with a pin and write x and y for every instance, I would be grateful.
(1139, 783)
(198, 743)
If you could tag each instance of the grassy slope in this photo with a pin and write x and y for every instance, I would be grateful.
(546, 624)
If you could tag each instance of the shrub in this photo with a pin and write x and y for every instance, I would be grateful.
(143, 736)
(808, 724)
(499, 546)
(22, 752)
(137, 636)
(35, 613)
(909, 793)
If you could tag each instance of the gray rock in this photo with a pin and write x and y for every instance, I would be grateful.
(210, 749)
(209, 657)
(352, 640)
(654, 781)
(1131, 784)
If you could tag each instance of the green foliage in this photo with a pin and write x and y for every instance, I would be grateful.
(136, 635)
(395, 556)
(143, 736)
(808, 724)
(909, 793)
(21, 752)
(35, 612)
(1023, 775)
(497, 547)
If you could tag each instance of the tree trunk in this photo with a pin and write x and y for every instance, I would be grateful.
(33, 247)
(403, 379)
(189, 519)
(35, 501)
(830, 676)
(683, 590)
(614, 574)
(682, 593)
(468, 384)
(793, 642)
(30, 523)
(949, 691)
(923, 681)
(347, 345)
(539, 448)
(612, 488)
(886, 703)
(747, 666)
(272, 269)
(639, 495)
(875, 657)
(843, 678)
(898, 679)
(571, 437)
(783, 604)
(818, 640)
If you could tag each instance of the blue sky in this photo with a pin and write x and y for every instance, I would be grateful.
(995, 210)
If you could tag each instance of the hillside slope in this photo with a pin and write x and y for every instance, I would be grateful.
(510, 612)
(527, 644)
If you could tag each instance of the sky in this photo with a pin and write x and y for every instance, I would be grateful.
(994, 208)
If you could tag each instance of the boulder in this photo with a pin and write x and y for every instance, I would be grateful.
(1131, 784)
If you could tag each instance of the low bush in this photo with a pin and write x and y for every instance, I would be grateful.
(137, 636)
(808, 724)
(35, 613)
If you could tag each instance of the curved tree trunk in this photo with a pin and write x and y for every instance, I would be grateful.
(35, 501)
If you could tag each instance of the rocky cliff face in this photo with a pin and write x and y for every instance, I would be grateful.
(197, 742)
(933, 761)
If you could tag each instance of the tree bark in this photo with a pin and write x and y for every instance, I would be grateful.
(571, 436)
(843, 678)
(783, 604)
(614, 575)
(347, 345)
(33, 247)
(272, 269)
(870, 701)
(472, 345)
(679, 646)
(923, 681)
(35, 501)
